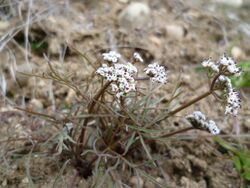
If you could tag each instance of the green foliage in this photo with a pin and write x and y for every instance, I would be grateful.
(240, 158)
(39, 47)
(244, 79)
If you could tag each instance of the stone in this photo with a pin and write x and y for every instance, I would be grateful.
(237, 53)
(175, 31)
(123, 1)
(71, 97)
(232, 3)
(136, 181)
(36, 105)
(23, 68)
(135, 15)
(25, 180)
(186, 182)
(4, 25)
(4, 183)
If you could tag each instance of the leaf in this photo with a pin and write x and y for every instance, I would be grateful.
(59, 175)
(244, 79)
(246, 176)
(146, 150)
(237, 163)
(200, 69)
(224, 144)
(130, 142)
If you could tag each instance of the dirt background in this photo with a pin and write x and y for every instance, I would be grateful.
(177, 34)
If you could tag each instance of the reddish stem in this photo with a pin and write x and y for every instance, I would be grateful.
(90, 110)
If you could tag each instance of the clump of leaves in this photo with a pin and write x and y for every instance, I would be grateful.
(240, 157)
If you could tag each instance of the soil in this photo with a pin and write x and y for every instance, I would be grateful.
(177, 34)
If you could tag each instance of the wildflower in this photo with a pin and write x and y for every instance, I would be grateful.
(121, 76)
(230, 65)
(212, 127)
(210, 64)
(227, 83)
(138, 57)
(225, 65)
(111, 56)
(232, 96)
(157, 73)
(233, 103)
(198, 121)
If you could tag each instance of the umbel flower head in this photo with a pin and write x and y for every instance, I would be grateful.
(121, 76)
(111, 56)
(226, 66)
(233, 103)
(156, 73)
(198, 121)
(232, 97)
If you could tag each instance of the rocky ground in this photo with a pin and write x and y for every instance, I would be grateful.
(177, 34)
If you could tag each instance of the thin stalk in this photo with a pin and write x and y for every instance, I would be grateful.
(189, 103)
(90, 110)
(177, 132)
(185, 105)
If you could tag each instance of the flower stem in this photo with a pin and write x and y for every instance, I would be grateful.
(176, 132)
(185, 105)
(90, 110)
(189, 103)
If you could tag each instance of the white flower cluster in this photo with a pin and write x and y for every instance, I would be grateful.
(227, 82)
(210, 64)
(233, 103)
(232, 96)
(157, 73)
(198, 120)
(111, 56)
(121, 76)
(230, 65)
(225, 64)
(138, 57)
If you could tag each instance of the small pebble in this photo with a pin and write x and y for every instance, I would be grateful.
(175, 31)
(237, 53)
(36, 105)
(136, 181)
(135, 15)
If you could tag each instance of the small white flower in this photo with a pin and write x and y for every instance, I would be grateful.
(227, 82)
(233, 103)
(121, 76)
(210, 64)
(157, 73)
(225, 64)
(230, 65)
(138, 57)
(212, 127)
(199, 115)
(111, 56)
(232, 97)
(198, 120)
